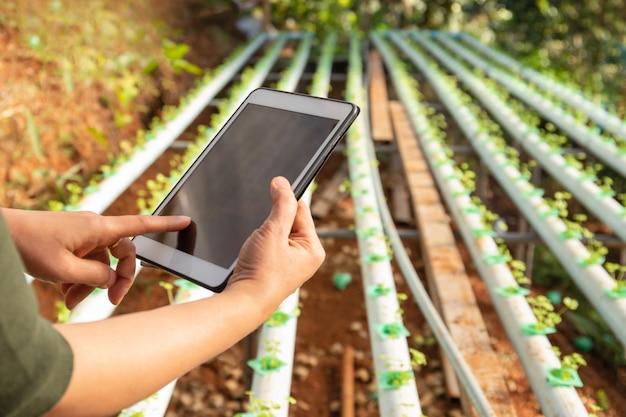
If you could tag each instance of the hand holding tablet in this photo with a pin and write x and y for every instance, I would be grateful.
(225, 191)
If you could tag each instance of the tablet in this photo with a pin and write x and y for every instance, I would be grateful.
(226, 189)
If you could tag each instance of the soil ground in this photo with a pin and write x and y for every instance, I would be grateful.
(331, 319)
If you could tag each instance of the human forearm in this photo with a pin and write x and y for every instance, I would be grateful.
(124, 359)
(139, 353)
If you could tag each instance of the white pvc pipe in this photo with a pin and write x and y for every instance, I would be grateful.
(582, 187)
(153, 406)
(593, 142)
(392, 353)
(575, 99)
(274, 388)
(464, 373)
(535, 352)
(593, 280)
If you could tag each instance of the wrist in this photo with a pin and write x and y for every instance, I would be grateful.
(250, 290)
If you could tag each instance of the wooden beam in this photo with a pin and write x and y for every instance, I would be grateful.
(447, 278)
(379, 101)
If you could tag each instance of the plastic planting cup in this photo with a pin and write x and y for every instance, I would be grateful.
(266, 364)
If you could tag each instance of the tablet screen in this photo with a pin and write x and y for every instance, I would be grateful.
(227, 195)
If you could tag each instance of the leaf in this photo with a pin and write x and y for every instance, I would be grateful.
(122, 119)
(181, 65)
(150, 66)
(174, 51)
(570, 303)
(99, 136)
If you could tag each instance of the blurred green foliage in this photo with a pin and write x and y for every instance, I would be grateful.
(582, 43)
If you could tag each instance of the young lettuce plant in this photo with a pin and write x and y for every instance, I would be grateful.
(547, 317)
(567, 374)
(259, 408)
(618, 272)
(270, 361)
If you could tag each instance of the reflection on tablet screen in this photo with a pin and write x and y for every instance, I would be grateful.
(227, 195)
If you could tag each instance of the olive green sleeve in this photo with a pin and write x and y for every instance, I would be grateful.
(35, 360)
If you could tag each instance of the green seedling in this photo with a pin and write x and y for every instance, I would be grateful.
(400, 311)
(391, 330)
(391, 380)
(169, 288)
(603, 403)
(262, 408)
(573, 361)
(606, 187)
(567, 374)
(278, 318)
(618, 272)
(269, 362)
(378, 290)
(467, 177)
(544, 311)
(175, 54)
(518, 270)
(425, 340)
(418, 358)
(394, 376)
(597, 253)
(621, 197)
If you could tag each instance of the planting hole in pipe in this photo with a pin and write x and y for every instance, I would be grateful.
(512, 291)
(390, 380)
(278, 319)
(616, 293)
(563, 377)
(391, 330)
(266, 364)
(537, 329)
(378, 290)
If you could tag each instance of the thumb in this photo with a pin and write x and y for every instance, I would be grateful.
(284, 204)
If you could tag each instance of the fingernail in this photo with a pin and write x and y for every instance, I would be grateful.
(282, 182)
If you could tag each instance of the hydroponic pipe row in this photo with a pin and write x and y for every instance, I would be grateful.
(592, 278)
(396, 387)
(277, 336)
(573, 98)
(605, 150)
(534, 352)
(320, 86)
(580, 185)
(438, 326)
(281, 339)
